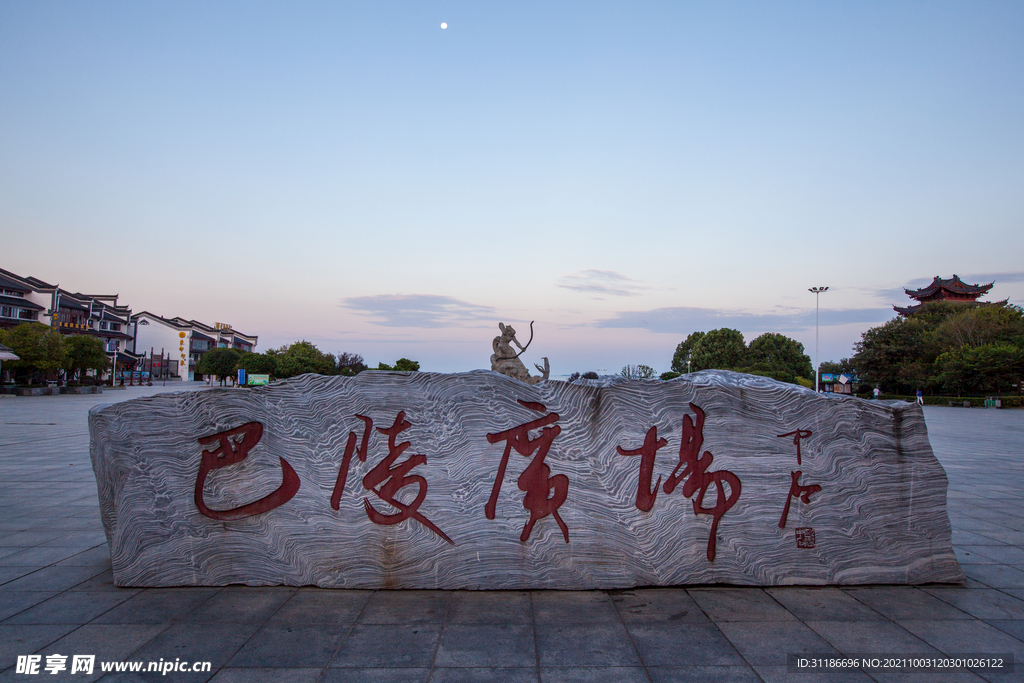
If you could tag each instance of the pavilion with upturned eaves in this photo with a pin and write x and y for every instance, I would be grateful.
(953, 289)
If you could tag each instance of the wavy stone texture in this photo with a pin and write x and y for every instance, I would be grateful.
(879, 516)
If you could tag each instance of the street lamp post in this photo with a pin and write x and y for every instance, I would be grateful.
(817, 365)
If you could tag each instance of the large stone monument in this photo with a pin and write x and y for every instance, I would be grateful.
(480, 481)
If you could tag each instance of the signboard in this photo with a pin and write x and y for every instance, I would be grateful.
(241, 377)
(258, 380)
(825, 377)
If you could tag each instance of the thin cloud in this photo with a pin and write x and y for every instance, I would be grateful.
(985, 278)
(419, 310)
(607, 282)
(898, 296)
(685, 319)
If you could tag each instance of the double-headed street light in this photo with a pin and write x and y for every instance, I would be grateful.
(817, 365)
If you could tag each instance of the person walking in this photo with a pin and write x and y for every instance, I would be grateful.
(920, 398)
(878, 392)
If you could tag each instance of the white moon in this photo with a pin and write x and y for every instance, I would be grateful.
(444, 25)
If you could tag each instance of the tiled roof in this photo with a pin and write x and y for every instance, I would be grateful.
(954, 284)
(19, 302)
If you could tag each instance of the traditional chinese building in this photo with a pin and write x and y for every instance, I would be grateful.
(953, 289)
(29, 299)
(24, 300)
(185, 341)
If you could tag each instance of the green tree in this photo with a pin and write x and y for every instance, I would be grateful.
(990, 368)
(903, 354)
(719, 349)
(684, 352)
(40, 349)
(350, 364)
(257, 364)
(82, 354)
(303, 357)
(220, 362)
(401, 365)
(774, 352)
(637, 372)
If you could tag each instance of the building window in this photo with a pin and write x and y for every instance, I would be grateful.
(103, 324)
(116, 327)
(7, 311)
(11, 292)
(26, 314)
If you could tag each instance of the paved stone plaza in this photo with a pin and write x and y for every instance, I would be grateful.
(56, 594)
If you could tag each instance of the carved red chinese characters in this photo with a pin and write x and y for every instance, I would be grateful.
(795, 489)
(694, 476)
(544, 493)
(386, 479)
(233, 446)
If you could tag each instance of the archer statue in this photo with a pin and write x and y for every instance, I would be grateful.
(506, 361)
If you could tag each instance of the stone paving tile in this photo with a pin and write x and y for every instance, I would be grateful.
(289, 647)
(487, 645)
(870, 637)
(1015, 627)
(573, 607)
(8, 574)
(594, 674)
(980, 603)
(107, 641)
(157, 606)
(15, 602)
(70, 608)
(657, 605)
(279, 675)
(711, 674)
(739, 604)
(490, 607)
(239, 604)
(104, 581)
(30, 538)
(197, 643)
(971, 637)
(1005, 554)
(963, 537)
(24, 640)
(322, 606)
(681, 643)
(51, 579)
(905, 602)
(361, 676)
(40, 556)
(560, 645)
(388, 645)
(827, 603)
(77, 539)
(483, 675)
(974, 554)
(995, 575)
(768, 642)
(406, 607)
(93, 557)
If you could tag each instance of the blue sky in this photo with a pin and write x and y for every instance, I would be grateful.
(622, 173)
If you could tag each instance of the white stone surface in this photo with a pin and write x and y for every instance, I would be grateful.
(879, 517)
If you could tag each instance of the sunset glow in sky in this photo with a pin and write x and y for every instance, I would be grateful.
(622, 173)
